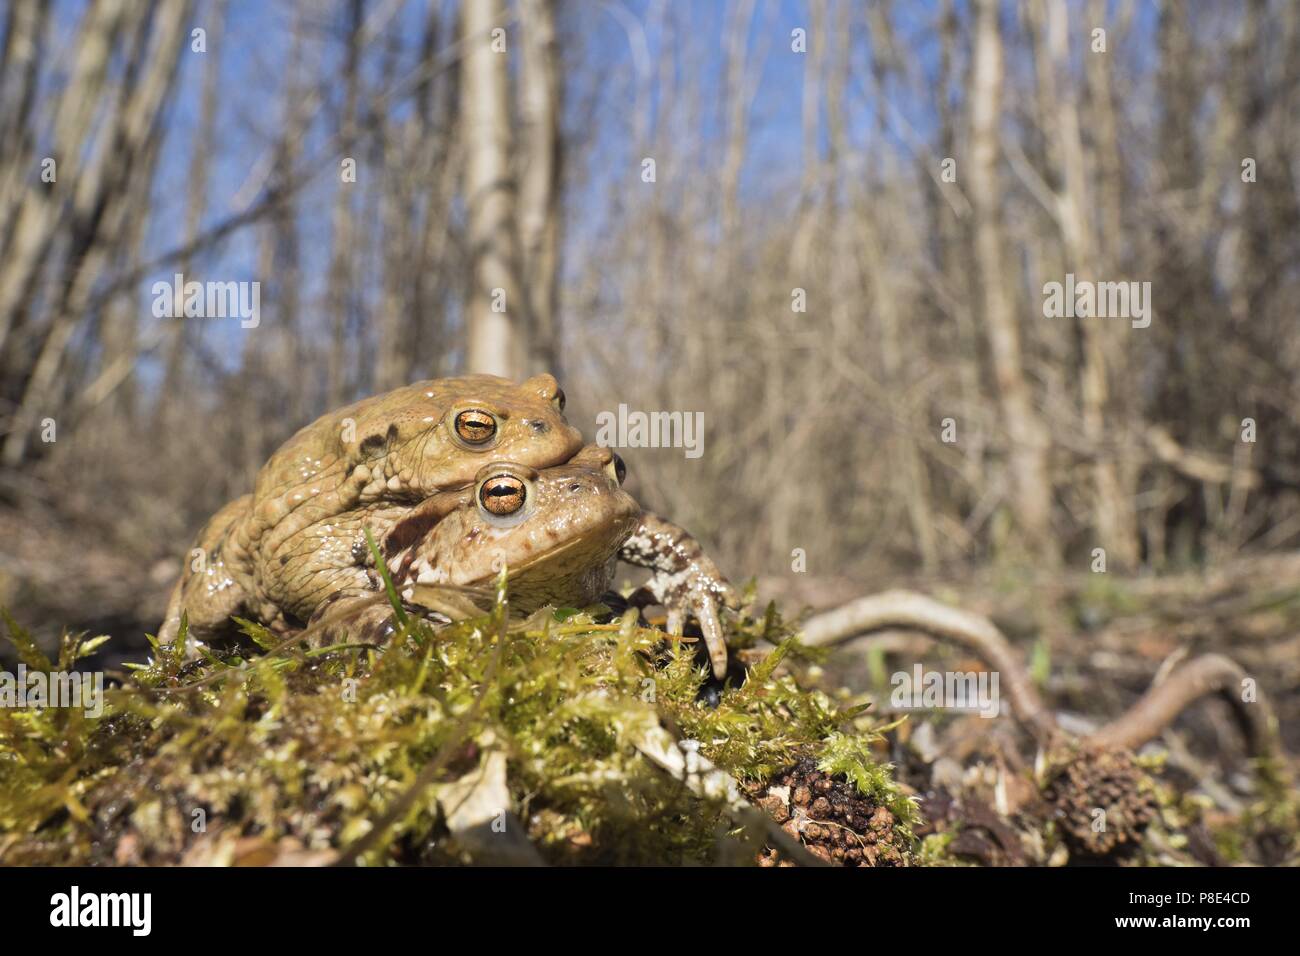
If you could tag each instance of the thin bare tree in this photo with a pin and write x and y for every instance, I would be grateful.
(497, 332)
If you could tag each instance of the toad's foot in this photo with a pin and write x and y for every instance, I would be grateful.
(351, 619)
(366, 617)
(214, 585)
(685, 581)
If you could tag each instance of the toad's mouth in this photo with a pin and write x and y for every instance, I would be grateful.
(481, 583)
(595, 543)
(449, 598)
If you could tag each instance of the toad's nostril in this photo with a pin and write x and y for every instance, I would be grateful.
(575, 487)
(539, 426)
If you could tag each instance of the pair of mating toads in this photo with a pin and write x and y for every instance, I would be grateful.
(453, 478)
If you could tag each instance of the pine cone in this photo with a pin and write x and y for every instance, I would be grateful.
(1107, 781)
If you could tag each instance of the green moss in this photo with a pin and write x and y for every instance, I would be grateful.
(933, 850)
(849, 755)
(299, 752)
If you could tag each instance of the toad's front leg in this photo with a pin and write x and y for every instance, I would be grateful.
(685, 581)
(328, 566)
(208, 593)
(326, 557)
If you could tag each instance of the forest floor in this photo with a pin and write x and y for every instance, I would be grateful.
(1093, 643)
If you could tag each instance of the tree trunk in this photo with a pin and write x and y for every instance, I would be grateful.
(496, 322)
(1028, 452)
(339, 293)
(539, 221)
(1114, 520)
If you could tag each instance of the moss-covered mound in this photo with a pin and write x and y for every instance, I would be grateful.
(569, 737)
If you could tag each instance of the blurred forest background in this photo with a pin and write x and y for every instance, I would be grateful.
(799, 154)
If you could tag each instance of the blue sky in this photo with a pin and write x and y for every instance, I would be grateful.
(254, 51)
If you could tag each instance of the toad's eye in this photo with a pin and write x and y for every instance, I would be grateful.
(619, 469)
(475, 427)
(503, 495)
(559, 399)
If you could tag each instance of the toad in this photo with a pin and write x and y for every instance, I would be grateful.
(559, 533)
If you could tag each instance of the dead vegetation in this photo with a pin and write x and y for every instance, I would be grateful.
(1100, 792)
(584, 737)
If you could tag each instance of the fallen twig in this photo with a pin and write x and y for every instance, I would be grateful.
(1146, 719)
(907, 609)
(1159, 706)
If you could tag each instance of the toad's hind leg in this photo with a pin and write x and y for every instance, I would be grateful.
(685, 581)
(212, 586)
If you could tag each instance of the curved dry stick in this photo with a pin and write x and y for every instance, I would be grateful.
(907, 609)
(1159, 706)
